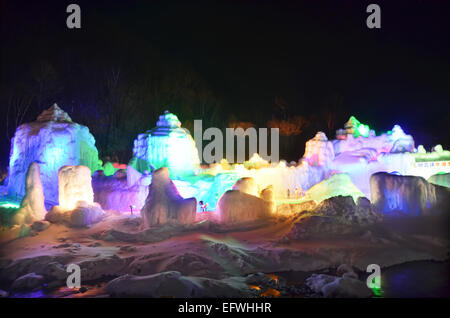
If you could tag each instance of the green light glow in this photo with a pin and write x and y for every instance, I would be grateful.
(377, 291)
(363, 130)
(108, 169)
(355, 127)
(9, 205)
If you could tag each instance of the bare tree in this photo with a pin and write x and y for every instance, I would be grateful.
(17, 108)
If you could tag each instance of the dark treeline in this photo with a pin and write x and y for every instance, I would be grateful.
(292, 65)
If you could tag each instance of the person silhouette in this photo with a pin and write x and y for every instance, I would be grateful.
(203, 206)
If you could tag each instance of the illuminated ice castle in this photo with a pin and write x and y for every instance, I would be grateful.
(166, 145)
(53, 141)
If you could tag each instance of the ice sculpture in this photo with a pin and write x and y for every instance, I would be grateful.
(222, 182)
(166, 145)
(235, 207)
(76, 198)
(124, 194)
(319, 151)
(357, 136)
(401, 141)
(407, 195)
(354, 127)
(246, 185)
(338, 184)
(164, 205)
(74, 186)
(53, 141)
(32, 207)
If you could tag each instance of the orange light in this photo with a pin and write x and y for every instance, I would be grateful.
(254, 287)
(271, 292)
(273, 277)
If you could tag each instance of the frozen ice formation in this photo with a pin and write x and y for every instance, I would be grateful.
(442, 179)
(358, 136)
(268, 196)
(54, 113)
(246, 185)
(32, 207)
(52, 141)
(76, 198)
(338, 184)
(74, 186)
(242, 204)
(164, 205)
(166, 145)
(319, 151)
(401, 141)
(236, 207)
(407, 195)
(124, 194)
(354, 127)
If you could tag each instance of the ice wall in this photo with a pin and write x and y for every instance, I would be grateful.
(119, 193)
(358, 136)
(283, 179)
(53, 141)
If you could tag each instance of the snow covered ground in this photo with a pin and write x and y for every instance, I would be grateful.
(116, 246)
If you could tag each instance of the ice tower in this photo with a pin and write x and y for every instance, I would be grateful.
(52, 141)
(166, 145)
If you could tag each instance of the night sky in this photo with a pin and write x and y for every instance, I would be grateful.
(228, 61)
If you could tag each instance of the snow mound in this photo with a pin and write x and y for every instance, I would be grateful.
(246, 185)
(173, 284)
(338, 184)
(237, 207)
(442, 179)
